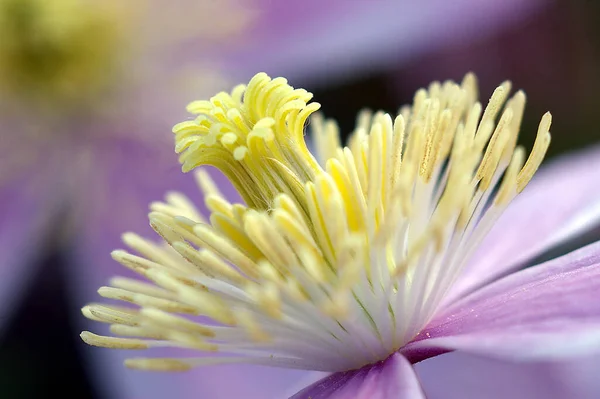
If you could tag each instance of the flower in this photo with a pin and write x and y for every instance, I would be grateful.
(359, 267)
(69, 134)
(74, 77)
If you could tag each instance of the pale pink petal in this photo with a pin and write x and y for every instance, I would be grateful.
(393, 378)
(563, 200)
(459, 375)
(550, 311)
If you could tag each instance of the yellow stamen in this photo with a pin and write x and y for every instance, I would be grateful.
(111, 342)
(353, 255)
(158, 364)
(111, 314)
(268, 123)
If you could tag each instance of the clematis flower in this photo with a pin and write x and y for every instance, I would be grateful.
(361, 265)
(77, 76)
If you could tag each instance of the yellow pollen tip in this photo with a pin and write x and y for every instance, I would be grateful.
(255, 135)
(112, 342)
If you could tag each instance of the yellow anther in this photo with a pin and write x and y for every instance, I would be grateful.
(112, 342)
(542, 142)
(108, 314)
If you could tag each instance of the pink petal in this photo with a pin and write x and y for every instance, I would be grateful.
(393, 378)
(563, 200)
(457, 375)
(550, 311)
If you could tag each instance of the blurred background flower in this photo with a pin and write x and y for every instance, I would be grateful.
(81, 111)
(89, 92)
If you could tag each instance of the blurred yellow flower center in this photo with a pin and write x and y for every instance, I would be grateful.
(329, 265)
(58, 52)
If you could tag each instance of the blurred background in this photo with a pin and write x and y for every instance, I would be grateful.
(89, 92)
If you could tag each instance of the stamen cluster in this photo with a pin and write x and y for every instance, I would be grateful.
(327, 266)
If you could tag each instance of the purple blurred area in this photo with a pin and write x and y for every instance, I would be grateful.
(81, 189)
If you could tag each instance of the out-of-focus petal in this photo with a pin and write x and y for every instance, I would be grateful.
(308, 378)
(319, 40)
(550, 311)
(562, 201)
(392, 379)
(113, 184)
(244, 381)
(459, 375)
(214, 382)
(28, 204)
(114, 181)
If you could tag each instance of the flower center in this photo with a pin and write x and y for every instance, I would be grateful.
(58, 53)
(326, 267)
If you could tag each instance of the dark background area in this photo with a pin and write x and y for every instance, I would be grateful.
(554, 56)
